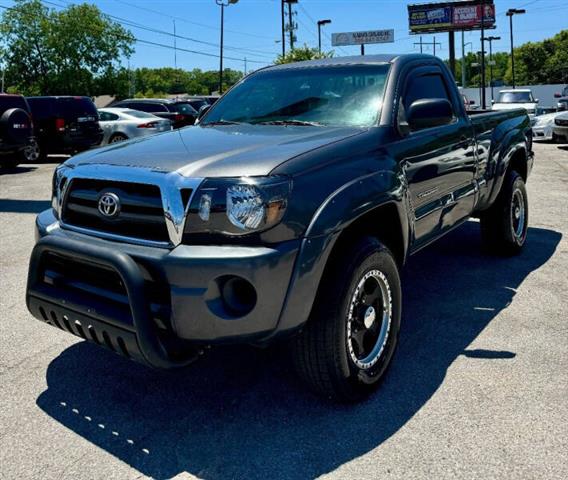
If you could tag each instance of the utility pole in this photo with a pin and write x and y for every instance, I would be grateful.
(2, 81)
(491, 63)
(510, 13)
(452, 48)
(363, 49)
(175, 46)
(433, 44)
(291, 25)
(245, 66)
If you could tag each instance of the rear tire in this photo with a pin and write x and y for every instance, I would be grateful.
(504, 225)
(118, 137)
(32, 153)
(349, 340)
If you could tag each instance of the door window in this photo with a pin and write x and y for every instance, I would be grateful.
(418, 87)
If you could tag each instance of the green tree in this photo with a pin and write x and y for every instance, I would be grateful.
(61, 52)
(301, 54)
(158, 82)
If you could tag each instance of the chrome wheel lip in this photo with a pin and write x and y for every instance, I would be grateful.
(518, 214)
(386, 319)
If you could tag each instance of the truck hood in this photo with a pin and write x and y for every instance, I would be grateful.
(227, 151)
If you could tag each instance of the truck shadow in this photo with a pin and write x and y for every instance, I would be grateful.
(241, 413)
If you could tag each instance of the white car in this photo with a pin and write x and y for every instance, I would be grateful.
(543, 126)
(560, 129)
(517, 98)
(121, 124)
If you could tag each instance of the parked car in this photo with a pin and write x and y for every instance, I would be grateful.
(543, 126)
(562, 103)
(121, 124)
(560, 130)
(516, 98)
(180, 112)
(16, 129)
(197, 103)
(286, 213)
(64, 124)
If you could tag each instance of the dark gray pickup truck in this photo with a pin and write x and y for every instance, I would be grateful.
(286, 213)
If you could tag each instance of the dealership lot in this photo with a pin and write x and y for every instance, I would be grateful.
(478, 388)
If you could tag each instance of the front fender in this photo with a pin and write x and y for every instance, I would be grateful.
(338, 211)
(354, 199)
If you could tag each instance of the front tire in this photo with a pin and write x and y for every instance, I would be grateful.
(349, 340)
(504, 226)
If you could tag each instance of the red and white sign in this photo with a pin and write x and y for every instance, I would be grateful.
(470, 15)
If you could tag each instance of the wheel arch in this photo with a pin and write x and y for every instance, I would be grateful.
(382, 216)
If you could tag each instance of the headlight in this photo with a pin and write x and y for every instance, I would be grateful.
(57, 186)
(238, 206)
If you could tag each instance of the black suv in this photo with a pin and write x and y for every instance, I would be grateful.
(15, 129)
(64, 125)
(179, 112)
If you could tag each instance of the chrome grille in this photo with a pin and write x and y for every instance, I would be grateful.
(141, 212)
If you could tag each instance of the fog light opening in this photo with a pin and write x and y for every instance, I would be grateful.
(238, 295)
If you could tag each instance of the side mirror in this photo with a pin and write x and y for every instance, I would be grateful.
(472, 102)
(536, 100)
(429, 112)
(492, 102)
(557, 95)
(202, 111)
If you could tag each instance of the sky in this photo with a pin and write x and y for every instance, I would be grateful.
(253, 28)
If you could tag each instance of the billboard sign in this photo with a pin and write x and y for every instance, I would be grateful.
(430, 18)
(362, 38)
(450, 16)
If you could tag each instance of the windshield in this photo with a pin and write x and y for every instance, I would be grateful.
(327, 96)
(516, 97)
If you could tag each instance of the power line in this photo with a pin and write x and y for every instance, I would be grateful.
(170, 47)
(203, 25)
(325, 34)
(130, 23)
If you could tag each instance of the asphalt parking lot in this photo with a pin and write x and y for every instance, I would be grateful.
(478, 389)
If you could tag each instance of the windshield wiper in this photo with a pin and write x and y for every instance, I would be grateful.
(222, 122)
(291, 122)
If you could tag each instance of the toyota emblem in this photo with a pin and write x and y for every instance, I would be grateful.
(109, 205)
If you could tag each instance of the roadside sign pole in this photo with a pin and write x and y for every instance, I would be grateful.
(452, 47)
(362, 49)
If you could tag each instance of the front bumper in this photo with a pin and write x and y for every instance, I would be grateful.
(561, 131)
(542, 133)
(133, 322)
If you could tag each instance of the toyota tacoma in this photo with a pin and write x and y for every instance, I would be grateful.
(286, 213)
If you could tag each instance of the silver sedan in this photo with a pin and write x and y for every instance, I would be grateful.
(121, 124)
